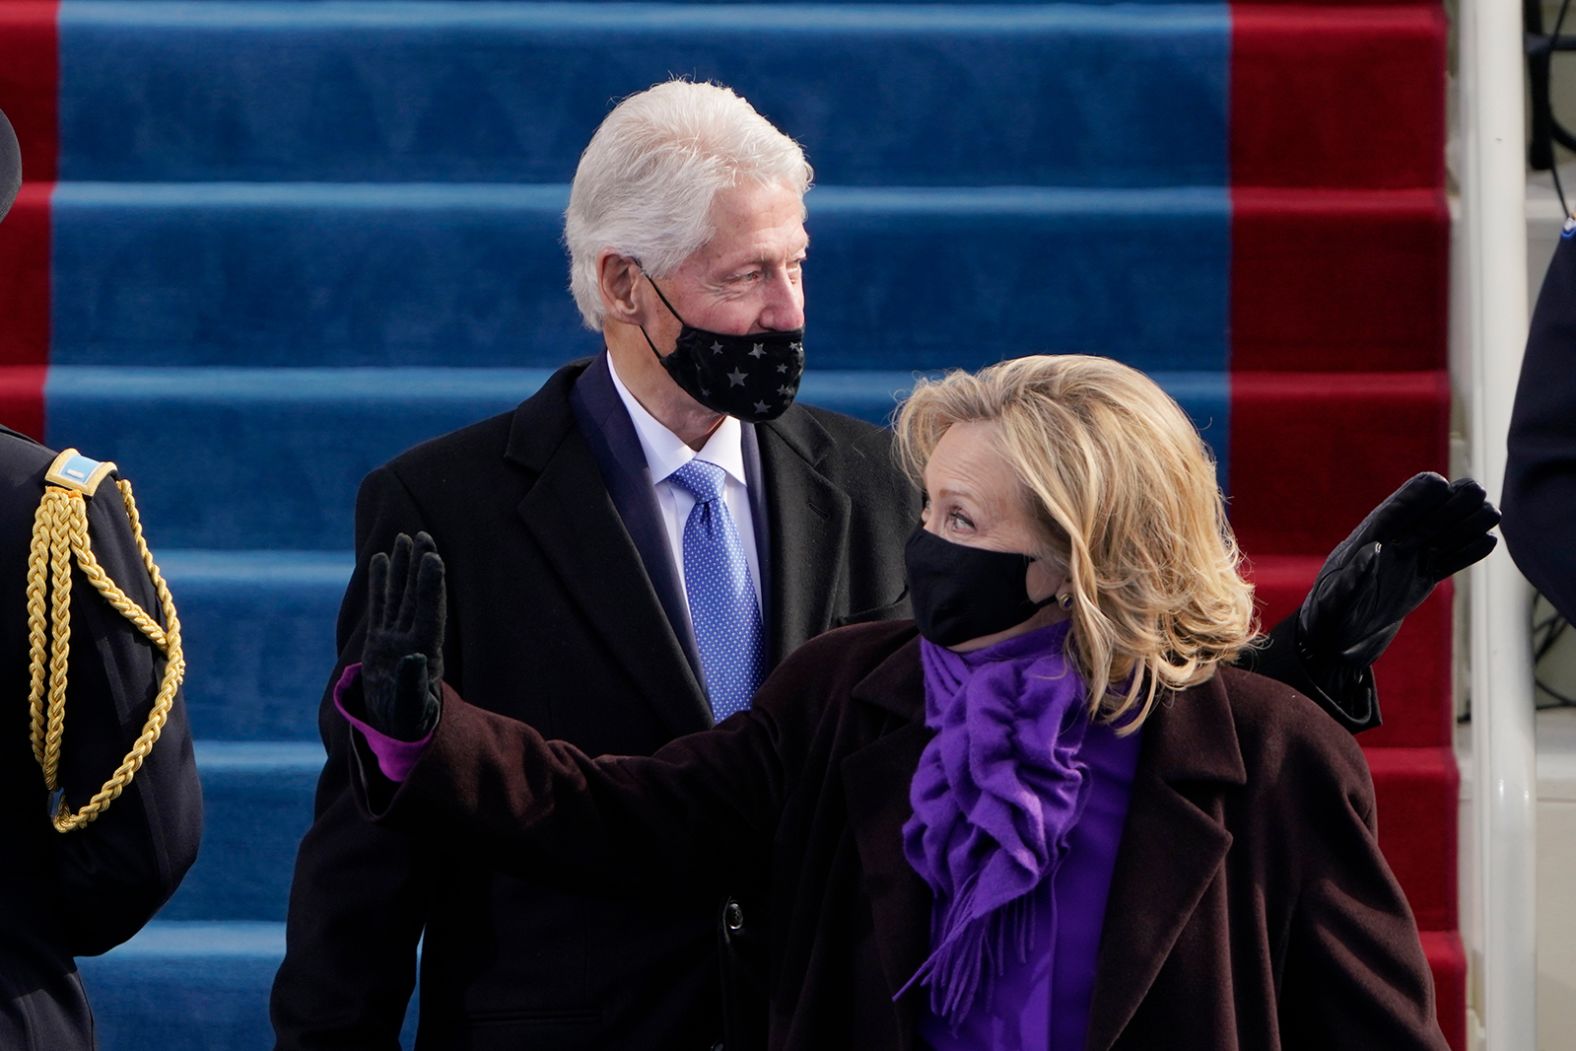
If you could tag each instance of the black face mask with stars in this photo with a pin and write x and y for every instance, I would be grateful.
(752, 377)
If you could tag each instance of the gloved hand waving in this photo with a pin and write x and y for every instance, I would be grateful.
(1423, 532)
(402, 657)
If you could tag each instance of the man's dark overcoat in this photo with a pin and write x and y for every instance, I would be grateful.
(1251, 907)
(549, 530)
(81, 893)
(1540, 469)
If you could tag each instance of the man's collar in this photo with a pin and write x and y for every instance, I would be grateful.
(666, 452)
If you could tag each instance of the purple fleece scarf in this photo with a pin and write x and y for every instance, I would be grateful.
(996, 795)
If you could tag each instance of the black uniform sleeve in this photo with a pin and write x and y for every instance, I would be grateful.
(1539, 500)
(115, 873)
(360, 892)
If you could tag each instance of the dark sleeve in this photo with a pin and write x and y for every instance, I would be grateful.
(1350, 698)
(1355, 973)
(118, 870)
(1539, 501)
(702, 810)
(360, 892)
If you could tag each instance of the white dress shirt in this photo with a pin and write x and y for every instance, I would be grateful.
(666, 453)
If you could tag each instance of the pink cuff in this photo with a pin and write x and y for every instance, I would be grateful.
(395, 757)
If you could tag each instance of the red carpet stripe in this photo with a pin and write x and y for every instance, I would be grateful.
(1338, 5)
(1448, 958)
(29, 90)
(22, 398)
(30, 81)
(1418, 790)
(1339, 280)
(1313, 452)
(1338, 97)
(1339, 312)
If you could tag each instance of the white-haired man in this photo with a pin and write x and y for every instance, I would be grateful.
(628, 553)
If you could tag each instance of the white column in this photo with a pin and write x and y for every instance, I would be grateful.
(1493, 216)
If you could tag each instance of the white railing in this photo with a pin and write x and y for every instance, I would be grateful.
(1492, 234)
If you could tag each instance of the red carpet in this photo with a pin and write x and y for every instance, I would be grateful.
(1338, 97)
(1347, 280)
(29, 73)
(1340, 388)
(1313, 452)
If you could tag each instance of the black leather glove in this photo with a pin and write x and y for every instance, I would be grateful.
(402, 657)
(1423, 532)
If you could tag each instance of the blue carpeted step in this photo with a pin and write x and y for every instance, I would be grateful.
(474, 275)
(186, 986)
(259, 635)
(1118, 95)
(190, 987)
(257, 797)
(270, 458)
(263, 458)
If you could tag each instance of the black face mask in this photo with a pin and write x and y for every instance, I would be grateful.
(961, 593)
(751, 377)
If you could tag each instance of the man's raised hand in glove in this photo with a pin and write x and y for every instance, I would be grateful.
(1422, 533)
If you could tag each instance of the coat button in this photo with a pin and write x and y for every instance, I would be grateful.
(733, 916)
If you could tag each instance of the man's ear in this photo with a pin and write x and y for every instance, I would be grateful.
(617, 277)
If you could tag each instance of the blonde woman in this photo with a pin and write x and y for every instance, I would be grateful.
(1046, 814)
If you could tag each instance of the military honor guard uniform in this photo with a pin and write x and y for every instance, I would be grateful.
(100, 807)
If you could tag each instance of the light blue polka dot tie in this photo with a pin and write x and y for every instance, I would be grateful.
(721, 597)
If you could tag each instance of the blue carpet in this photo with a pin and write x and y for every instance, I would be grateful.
(190, 987)
(186, 987)
(264, 458)
(259, 634)
(291, 274)
(253, 459)
(1059, 94)
(258, 801)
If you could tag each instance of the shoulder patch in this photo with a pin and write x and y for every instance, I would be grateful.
(72, 470)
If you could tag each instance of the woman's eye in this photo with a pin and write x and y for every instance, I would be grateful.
(959, 520)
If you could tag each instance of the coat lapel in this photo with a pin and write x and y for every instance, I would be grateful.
(570, 515)
(604, 423)
(808, 526)
(1173, 844)
(876, 781)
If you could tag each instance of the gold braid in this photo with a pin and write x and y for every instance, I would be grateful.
(60, 530)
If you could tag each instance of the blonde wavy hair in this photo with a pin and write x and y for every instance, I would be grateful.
(1125, 494)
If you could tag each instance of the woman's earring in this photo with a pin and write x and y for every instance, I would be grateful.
(1065, 600)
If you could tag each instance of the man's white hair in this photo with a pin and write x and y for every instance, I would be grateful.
(646, 181)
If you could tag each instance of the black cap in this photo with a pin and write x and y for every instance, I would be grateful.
(10, 165)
